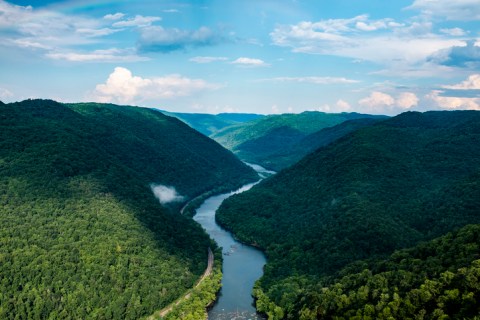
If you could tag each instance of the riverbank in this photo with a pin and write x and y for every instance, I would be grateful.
(242, 265)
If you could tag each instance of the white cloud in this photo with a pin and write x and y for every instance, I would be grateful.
(275, 109)
(5, 94)
(315, 80)
(386, 42)
(109, 55)
(472, 83)
(452, 103)
(88, 32)
(455, 32)
(122, 87)
(342, 106)
(451, 10)
(207, 59)
(377, 101)
(376, 25)
(116, 16)
(166, 194)
(171, 11)
(407, 100)
(250, 62)
(53, 34)
(137, 21)
(380, 102)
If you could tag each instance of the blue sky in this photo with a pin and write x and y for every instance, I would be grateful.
(262, 56)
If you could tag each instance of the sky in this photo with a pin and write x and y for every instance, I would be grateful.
(255, 56)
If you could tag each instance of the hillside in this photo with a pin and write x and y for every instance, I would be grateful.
(81, 232)
(384, 187)
(256, 141)
(291, 153)
(209, 124)
(436, 279)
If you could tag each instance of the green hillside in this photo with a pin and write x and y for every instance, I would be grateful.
(81, 234)
(208, 124)
(287, 154)
(384, 187)
(256, 141)
(436, 279)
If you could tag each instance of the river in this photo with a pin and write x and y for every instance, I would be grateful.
(242, 265)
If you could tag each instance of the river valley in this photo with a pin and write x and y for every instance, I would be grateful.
(242, 265)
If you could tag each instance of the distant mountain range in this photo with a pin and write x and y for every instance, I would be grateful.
(209, 124)
(82, 234)
(274, 141)
(386, 186)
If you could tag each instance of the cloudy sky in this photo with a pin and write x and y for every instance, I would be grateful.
(262, 56)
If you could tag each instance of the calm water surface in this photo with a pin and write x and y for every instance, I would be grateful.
(242, 265)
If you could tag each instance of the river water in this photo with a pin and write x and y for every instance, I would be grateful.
(242, 265)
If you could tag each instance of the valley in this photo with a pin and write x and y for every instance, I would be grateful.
(344, 231)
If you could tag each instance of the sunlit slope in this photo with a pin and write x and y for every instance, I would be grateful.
(81, 234)
(387, 186)
(262, 140)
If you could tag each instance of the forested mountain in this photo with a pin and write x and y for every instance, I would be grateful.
(289, 154)
(407, 179)
(436, 279)
(81, 234)
(209, 124)
(275, 135)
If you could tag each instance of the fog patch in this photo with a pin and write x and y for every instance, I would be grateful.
(166, 194)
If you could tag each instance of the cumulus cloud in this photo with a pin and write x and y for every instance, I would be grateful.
(377, 101)
(159, 39)
(207, 59)
(451, 10)
(137, 21)
(314, 80)
(166, 194)
(452, 103)
(115, 16)
(466, 55)
(342, 106)
(407, 100)
(384, 103)
(123, 87)
(250, 62)
(472, 83)
(5, 94)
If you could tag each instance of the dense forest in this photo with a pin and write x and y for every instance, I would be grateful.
(81, 234)
(383, 187)
(290, 154)
(264, 140)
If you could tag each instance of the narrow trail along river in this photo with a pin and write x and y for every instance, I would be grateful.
(242, 265)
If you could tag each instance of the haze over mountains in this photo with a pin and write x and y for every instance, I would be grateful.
(276, 141)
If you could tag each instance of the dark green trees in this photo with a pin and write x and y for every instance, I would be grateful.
(81, 234)
(384, 187)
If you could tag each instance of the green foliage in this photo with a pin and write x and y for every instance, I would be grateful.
(403, 180)
(437, 279)
(288, 154)
(274, 141)
(195, 306)
(81, 234)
